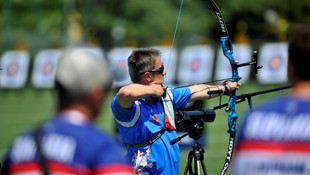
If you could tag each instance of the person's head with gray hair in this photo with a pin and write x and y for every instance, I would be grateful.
(82, 81)
(141, 60)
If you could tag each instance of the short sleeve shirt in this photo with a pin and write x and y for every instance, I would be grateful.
(141, 123)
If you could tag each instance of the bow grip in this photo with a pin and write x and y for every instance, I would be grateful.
(233, 122)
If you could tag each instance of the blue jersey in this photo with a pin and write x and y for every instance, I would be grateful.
(141, 123)
(71, 145)
(275, 139)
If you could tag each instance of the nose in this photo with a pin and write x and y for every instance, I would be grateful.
(164, 73)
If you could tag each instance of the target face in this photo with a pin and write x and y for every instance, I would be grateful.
(44, 70)
(15, 69)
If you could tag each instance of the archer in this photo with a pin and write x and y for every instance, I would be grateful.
(144, 112)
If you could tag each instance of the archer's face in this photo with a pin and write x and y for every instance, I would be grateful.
(158, 76)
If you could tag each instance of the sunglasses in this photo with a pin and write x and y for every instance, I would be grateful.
(159, 70)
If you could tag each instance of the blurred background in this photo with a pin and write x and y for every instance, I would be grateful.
(38, 24)
(35, 25)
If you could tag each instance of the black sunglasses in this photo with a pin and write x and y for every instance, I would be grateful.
(159, 70)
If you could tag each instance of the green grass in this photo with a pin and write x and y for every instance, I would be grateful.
(23, 109)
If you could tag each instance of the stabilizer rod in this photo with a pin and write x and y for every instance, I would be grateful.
(243, 97)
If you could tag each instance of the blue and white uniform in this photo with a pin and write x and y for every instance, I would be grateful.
(141, 123)
(275, 139)
(71, 145)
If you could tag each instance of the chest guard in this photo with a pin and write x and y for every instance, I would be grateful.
(169, 111)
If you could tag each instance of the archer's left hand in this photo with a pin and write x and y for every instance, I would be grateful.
(231, 86)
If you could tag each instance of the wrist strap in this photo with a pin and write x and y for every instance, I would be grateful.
(227, 90)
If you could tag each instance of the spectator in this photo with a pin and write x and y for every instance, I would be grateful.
(275, 138)
(69, 143)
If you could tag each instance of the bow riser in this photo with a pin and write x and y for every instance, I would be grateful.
(228, 52)
(233, 116)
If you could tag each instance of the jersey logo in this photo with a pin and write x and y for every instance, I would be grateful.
(140, 161)
(156, 118)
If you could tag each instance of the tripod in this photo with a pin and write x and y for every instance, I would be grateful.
(197, 154)
(195, 132)
(193, 121)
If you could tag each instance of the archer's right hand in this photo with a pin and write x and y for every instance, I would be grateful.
(158, 90)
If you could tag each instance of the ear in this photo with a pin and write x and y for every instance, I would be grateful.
(148, 77)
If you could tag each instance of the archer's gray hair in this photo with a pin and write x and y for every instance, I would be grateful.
(141, 60)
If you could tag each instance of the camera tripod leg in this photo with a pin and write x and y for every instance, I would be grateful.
(204, 168)
(189, 163)
(197, 154)
(198, 168)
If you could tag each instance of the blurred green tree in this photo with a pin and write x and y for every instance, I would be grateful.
(111, 23)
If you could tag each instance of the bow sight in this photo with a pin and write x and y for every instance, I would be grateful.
(251, 63)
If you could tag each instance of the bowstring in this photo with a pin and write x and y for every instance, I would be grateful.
(174, 35)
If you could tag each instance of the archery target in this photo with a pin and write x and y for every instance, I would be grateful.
(196, 63)
(274, 58)
(275, 62)
(119, 67)
(14, 71)
(242, 53)
(13, 68)
(44, 70)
